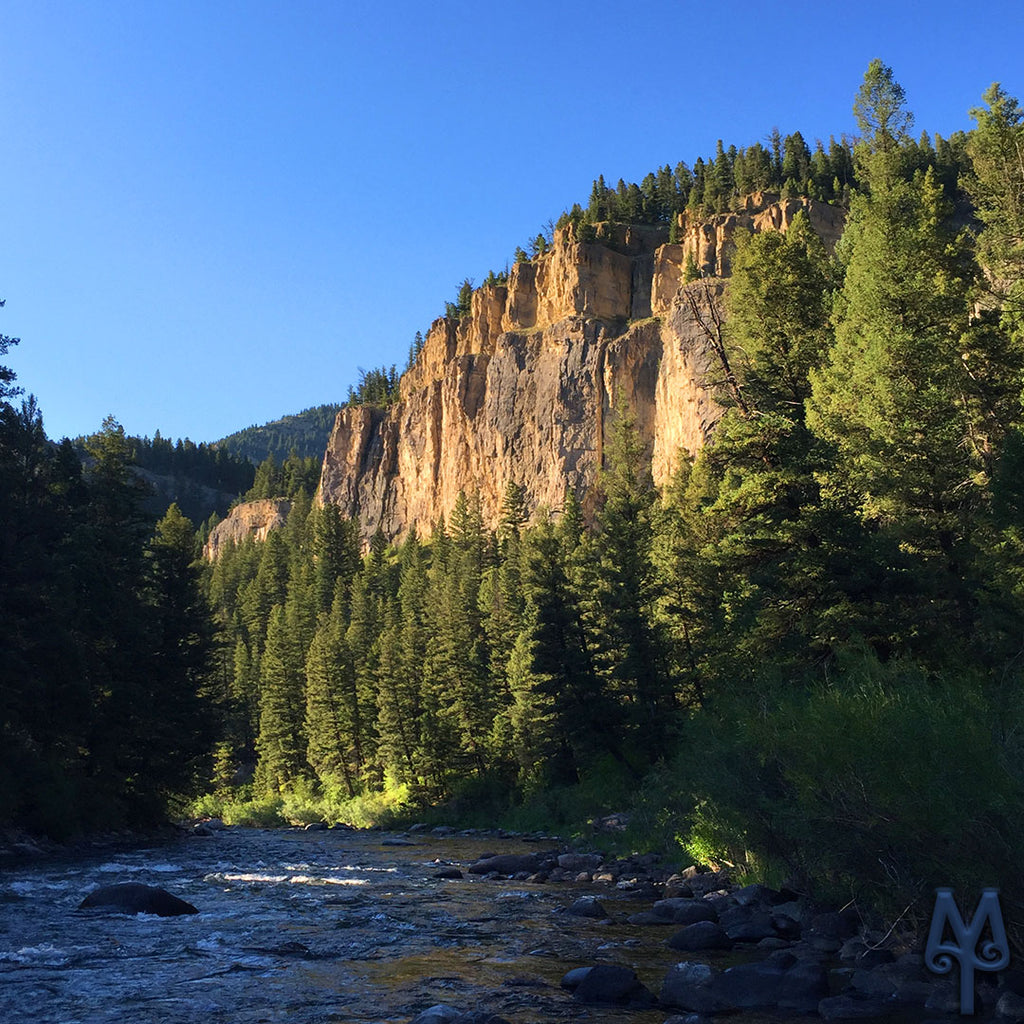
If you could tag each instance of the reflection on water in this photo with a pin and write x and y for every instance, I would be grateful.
(307, 928)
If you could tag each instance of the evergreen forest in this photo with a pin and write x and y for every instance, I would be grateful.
(801, 658)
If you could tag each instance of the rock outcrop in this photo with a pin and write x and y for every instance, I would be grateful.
(523, 388)
(250, 519)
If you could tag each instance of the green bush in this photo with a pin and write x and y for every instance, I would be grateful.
(880, 784)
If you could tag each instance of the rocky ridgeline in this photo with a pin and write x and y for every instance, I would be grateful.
(522, 388)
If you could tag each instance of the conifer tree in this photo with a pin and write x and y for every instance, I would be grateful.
(631, 656)
(331, 714)
(281, 744)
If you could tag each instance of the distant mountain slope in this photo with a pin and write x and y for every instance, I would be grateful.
(305, 433)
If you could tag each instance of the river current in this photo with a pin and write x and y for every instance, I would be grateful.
(307, 927)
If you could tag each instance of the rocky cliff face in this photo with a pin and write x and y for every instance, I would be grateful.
(524, 387)
(250, 519)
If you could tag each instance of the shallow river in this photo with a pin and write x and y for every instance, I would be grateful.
(308, 928)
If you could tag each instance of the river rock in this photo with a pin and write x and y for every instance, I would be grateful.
(944, 997)
(134, 898)
(827, 932)
(702, 935)
(608, 983)
(751, 986)
(756, 893)
(579, 861)
(450, 873)
(746, 924)
(852, 1007)
(588, 906)
(684, 911)
(572, 978)
(690, 986)
(439, 1014)
(1010, 1007)
(803, 987)
(506, 864)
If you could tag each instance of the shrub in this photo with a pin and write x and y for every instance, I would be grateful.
(881, 783)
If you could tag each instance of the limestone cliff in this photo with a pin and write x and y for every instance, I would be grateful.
(522, 388)
(250, 519)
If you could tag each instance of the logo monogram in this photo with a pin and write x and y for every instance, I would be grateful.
(993, 955)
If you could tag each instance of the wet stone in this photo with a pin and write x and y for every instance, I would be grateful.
(588, 906)
(607, 983)
(702, 935)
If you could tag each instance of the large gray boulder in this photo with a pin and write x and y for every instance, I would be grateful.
(135, 898)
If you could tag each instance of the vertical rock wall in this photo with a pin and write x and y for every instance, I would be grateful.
(523, 388)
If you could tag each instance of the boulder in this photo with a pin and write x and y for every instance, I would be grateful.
(1010, 1007)
(135, 898)
(607, 983)
(451, 873)
(852, 1007)
(750, 986)
(506, 864)
(439, 1014)
(684, 911)
(827, 932)
(702, 935)
(803, 987)
(579, 861)
(572, 978)
(691, 986)
(746, 924)
(588, 906)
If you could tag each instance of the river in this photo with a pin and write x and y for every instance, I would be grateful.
(309, 927)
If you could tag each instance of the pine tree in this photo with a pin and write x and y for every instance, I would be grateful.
(898, 398)
(331, 714)
(281, 744)
(996, 147)
(175, 715)
(631, 656)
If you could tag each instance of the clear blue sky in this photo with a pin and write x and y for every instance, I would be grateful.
(213, 213)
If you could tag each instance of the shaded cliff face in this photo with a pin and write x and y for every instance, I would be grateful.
(250, 519)
(523, 389)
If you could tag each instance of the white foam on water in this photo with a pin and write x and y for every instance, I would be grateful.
(321, 880)
(244, 876)
(26, 888)
(45, 954)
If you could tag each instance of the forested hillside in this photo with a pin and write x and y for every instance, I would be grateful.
(800, 658)
(304, 434)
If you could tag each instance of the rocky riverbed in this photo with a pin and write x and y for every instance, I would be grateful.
(315, 926)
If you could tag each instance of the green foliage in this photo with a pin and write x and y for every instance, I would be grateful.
(376, 387)
(304, 433)
(878, 784)
(296, 475)
(104, 654)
